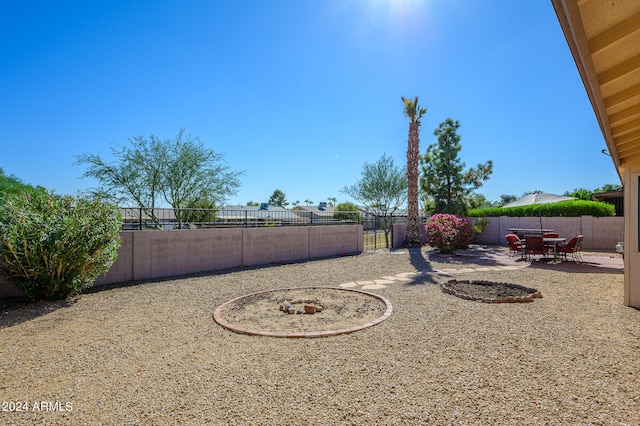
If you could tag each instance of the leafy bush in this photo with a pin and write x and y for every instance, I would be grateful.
(51, 246)
(347, 212)
(198, 211)
(573, 208)
(448, 232)
(480, 225)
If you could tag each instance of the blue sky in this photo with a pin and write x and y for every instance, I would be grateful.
(297, 94)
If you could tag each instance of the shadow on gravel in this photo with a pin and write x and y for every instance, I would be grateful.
(416, 256)
(18, 310)
(474, 255)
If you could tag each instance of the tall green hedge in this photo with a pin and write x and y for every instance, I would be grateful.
(573, 208)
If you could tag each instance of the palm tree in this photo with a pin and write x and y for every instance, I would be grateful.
(414, 112)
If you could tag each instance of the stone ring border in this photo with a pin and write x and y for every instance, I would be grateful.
(532, 293)
(217, 317)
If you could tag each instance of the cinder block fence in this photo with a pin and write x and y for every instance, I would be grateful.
(600, 233)
(147, 255)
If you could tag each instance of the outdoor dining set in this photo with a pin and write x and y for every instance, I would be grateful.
(543, 242)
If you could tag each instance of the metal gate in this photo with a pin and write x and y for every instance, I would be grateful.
(374, 239)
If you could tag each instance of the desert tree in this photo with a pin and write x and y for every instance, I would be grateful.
(180, 171)
(382, 188)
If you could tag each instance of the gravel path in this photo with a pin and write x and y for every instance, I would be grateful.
(151, 353)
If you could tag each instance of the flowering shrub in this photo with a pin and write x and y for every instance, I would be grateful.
(51, 246)
(448, 232)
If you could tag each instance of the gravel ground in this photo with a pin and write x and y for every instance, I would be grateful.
(151, 353)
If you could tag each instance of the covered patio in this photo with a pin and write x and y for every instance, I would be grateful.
(604, 39)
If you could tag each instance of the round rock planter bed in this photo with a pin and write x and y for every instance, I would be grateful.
(490, 292)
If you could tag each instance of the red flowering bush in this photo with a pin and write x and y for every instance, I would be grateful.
(448, 232)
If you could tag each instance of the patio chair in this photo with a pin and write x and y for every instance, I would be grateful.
(515, 245)
(534, 245)
(572, 248)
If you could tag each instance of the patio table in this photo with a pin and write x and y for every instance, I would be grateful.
(549, 241)
(555, 242)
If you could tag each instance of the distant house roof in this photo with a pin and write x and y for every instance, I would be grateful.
(133, 213)
(376, 211)
(263, 212)
(318, 211)
(612, 197)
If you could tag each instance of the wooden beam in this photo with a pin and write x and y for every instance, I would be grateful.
(625, 128)
(632, 158)
(615, 33)
(623, 115)
(629, 151)
(620, 70)
(622, 96)
(631, 136)
(628, 140)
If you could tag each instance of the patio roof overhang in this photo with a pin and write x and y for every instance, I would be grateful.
(604, 38)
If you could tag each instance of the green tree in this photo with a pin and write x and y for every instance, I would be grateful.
(332, 201)
(308, 202)
(609, 187)
(278, 199)
(382, 188)
(506, 199)
(579, 193)
(253, 204)
(200, 211)
(585, 194)
(477, 201)
(414, 113)
(443, 177)
(11, 184)
(348, 212)
(134, 177)
(179, 170)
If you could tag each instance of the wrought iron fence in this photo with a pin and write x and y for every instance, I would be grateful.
(377, 229)
(135, 218)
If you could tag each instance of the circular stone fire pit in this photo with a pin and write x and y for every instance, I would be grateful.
(303, 312)
(490, 292)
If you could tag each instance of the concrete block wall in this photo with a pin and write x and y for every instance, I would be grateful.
(607, 231)
(335, 242)
(147, 255)
(600, 233)
(400, 234)
(270, 245)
